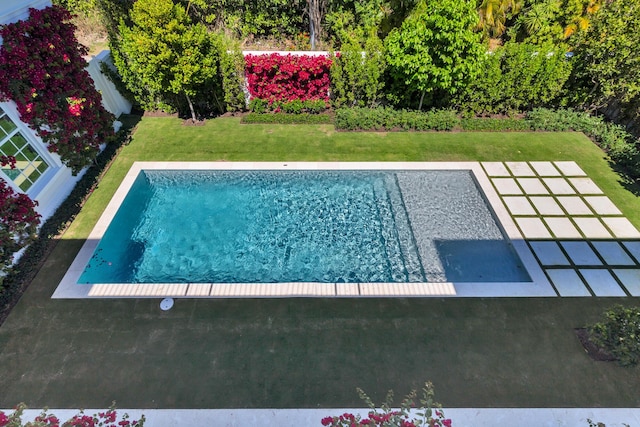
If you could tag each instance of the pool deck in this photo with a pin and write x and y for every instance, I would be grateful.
(571, 238)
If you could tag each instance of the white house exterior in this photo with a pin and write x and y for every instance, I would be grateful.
(38, 173)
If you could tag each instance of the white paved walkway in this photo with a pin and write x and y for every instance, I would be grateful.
(460, 417)
(580, 238)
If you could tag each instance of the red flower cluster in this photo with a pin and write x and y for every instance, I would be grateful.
(391, 418)
(103, 419)
(278, 77)
(42, 70)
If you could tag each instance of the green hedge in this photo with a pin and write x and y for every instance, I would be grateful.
(297, 106)
(492, 124)
(286, 119)
(388, 119)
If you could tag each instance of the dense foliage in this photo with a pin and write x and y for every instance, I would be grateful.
(42, 70)
(435, 51)
(357, 72)
(517, 77)
(607, 58)
(619, 333)
(278, 77)
(167, 57)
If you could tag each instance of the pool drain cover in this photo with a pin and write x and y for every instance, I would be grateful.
(166, 304)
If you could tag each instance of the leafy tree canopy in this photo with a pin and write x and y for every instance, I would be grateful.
(436, 49)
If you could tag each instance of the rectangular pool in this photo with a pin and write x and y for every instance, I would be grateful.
(341, 229)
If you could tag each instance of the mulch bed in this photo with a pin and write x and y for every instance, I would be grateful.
(597, 353)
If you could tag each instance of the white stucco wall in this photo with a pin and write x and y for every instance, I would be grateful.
(16, 10)
(112, 101)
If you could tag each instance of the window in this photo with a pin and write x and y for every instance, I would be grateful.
(29, 164)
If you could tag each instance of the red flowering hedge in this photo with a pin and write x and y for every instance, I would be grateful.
(42, 70)
(289, 77)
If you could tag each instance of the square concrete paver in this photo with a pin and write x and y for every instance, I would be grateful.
(562, 228)
(495, 169)
(518, 205)
(549, 253)
(634, 248)
(621, 227)
(570, 168)
(532, 186)
(520, 169)
(630, 278)
(506, 186)
(545, 168)
(559, 186)
(581, 253)
(585, 186)
(546, 205)
(602, 205)
(592, 228)
(568, 283)
(533, 228)
(574, 205)
(602, 283)
(613, 253)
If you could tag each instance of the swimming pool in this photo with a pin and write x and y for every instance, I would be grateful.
(336, 228)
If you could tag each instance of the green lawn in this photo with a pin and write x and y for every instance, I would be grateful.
(166, 139)
(284, 353)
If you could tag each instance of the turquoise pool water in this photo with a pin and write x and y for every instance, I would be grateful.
(303, 226)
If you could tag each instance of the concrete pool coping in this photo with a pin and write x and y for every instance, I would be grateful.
(539, 285)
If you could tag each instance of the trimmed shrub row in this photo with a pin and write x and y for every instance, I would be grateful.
(297, 106)
(285, 119)
(388, 119)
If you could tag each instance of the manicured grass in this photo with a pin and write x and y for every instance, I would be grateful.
(283, 353)
(166, 139)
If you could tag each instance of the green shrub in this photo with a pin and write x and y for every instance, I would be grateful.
(619, 333)
(495, 124)
(612, 138)
(315, 106)
(385, 118)
(292, 107)
(285, 119)
(297, 106)
(258, 105)
(357, 72)
(517, 77)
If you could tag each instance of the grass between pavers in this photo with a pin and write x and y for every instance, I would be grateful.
(282, 353)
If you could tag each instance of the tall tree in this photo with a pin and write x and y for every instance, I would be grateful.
(436, 49)
(166, 54)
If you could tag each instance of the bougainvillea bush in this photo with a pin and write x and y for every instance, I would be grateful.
(108, 418)
(429, 413)
(42, 70)
(18, 220)
(276, 77)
